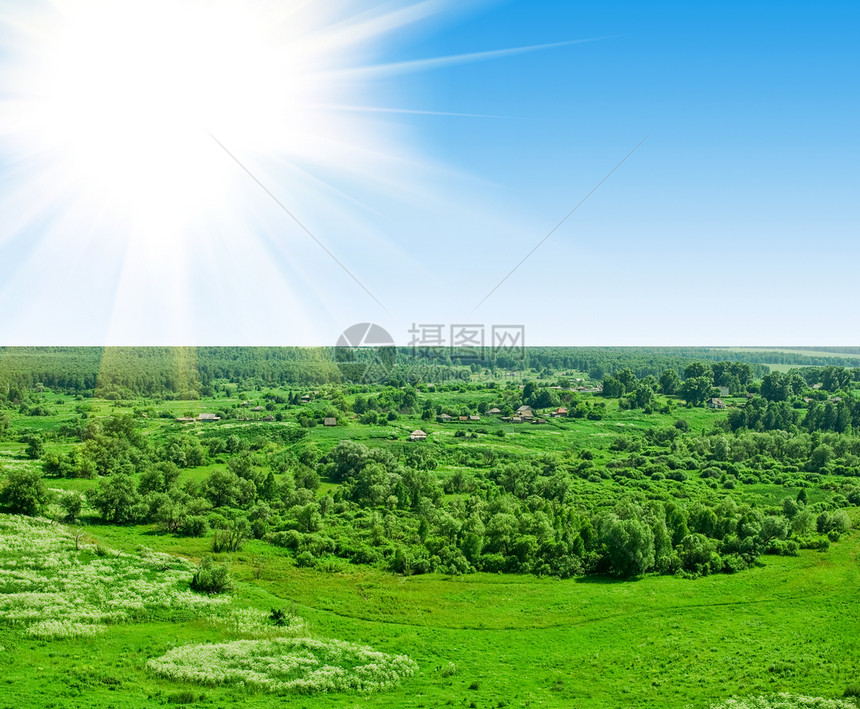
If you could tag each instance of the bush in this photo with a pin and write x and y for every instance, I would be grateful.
(195, 526)
(24, 493)
(211, 578)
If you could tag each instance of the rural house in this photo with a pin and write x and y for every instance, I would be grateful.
(418, 435)
(716, 404)
(329, 421)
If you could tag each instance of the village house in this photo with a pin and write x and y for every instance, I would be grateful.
(208, 417)
(444, 418)
(716, 404)
(474, 418)
(494, 411)
(329, 421)
(560, 411)
(418, 435)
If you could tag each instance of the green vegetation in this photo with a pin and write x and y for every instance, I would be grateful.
(672, 532)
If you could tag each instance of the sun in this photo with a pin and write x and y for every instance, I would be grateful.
(126, 96)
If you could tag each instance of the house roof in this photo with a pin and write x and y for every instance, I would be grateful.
(329, 421)
(494, 411)
(208, 417)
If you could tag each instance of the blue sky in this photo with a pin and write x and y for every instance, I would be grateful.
(735, 223)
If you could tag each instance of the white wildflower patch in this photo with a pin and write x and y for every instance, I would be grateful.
(784, 701)
(305, 665)
(252, 623)
(58, 590)
(52, 629)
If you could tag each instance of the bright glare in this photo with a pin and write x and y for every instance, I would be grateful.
(116, 193)
(126, 94)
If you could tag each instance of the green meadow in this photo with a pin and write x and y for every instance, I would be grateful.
(641, 551)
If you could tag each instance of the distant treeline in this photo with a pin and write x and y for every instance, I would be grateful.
(189, 372)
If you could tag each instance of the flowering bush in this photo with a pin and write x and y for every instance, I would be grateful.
(784, 701)
(305, 665)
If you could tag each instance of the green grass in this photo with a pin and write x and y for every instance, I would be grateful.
(788, 625)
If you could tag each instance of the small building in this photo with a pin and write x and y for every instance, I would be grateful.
(244, 403)
(418, 435)
(306, 398)
(716, 404)
(186, 419)
(527, 415)
(494, 411)
(516, 419)
(329, 421)
(524, 409)
(257, 408)
(724, 391)
(539, 421)
(560, 411)
(816, 386)
(807, 400)
(474, 418)
(836, 399)
(463, 418)
(208, 417)
(444, 418)
(267, 418)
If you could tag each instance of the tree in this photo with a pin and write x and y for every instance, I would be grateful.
(670, 381)
(629, 545)
(35, 447)
(697, 389)
(71, 503)
(612, 387)
(699, 369)
(116, 498)
(24, 493)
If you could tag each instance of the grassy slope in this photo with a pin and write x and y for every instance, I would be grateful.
(790, 625)
(659, 642)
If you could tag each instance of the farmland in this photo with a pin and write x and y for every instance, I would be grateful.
(640, 549)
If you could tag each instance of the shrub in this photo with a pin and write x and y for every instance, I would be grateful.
(24, 493)
(195, 526)
(211, 578)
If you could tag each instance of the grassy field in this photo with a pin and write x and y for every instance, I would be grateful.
(494, 641)
(791, 623)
